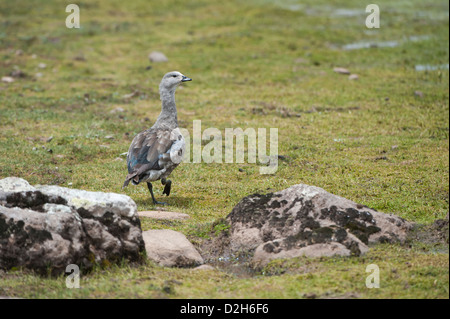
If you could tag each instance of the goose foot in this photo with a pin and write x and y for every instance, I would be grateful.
(167, 187)
(155, 202)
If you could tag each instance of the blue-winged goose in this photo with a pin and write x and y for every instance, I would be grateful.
(155, 152)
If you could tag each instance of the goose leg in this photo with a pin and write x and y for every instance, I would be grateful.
(168, 184)
(155, 202)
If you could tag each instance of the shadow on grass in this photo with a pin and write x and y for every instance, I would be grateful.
(172, 202)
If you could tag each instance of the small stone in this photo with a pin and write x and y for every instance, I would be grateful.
(117, 110)
(109, 137)
(42, 65)
(341, 70)
(130, 95)
(170, 248)
(204, 267)
(157, 56)
(353, 77)
(418, 94)
(7, 79)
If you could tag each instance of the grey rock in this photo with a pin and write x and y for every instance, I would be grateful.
(170, 248)
(15, 184)
(157, 56)
(7, 79)
(49, 227)
(308, 221)
(204, 267)
(97, 203)
(341, 70)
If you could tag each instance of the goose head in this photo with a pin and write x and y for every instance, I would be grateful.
(171, 80)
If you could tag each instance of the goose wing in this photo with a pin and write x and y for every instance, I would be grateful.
(145, 151)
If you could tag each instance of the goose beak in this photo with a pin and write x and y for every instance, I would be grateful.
(185, 79)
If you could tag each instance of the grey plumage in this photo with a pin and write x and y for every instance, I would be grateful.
(157, 151)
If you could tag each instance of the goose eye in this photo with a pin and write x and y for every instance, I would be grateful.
(174, 76)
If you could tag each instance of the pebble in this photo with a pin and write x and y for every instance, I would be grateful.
(157, 56)
(7, 79)
(341, 70)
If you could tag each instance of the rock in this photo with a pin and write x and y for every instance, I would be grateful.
(157, 56)
(95, 203)
(117, 110)
(7, 79)
(170, 248)
(341, 70)
(353, 77)
(307, 221)
(204, 267)
(130, 95)
(15, 184)
(49, 227)
(418, 94)
(164, 215)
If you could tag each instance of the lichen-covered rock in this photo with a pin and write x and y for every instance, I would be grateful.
(96, 203)
(40, 240)
(49, 227)
(307, 220)
(15, 184)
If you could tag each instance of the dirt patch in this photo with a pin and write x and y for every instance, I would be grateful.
(435, 235)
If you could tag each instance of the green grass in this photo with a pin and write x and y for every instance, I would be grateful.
(253, 65)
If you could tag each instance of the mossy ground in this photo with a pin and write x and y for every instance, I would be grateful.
(382, 140)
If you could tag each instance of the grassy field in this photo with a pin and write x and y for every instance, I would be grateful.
(381, 140)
